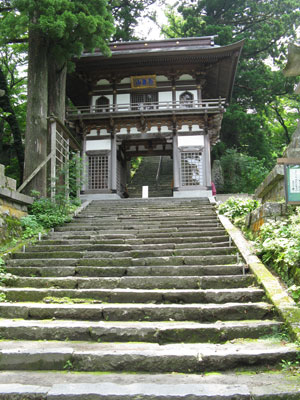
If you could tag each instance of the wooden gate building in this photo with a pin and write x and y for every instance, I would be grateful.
(164, 97)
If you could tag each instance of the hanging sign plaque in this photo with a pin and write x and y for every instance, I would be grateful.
(143, 82)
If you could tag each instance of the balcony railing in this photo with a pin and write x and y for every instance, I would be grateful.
(211, 105)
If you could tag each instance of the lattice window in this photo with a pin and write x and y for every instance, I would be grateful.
(191, 169)
(144, 101)
(98, 172)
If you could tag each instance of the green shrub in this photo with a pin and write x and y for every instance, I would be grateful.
(278, 245)
(31, 226)
(236, 207)
(50, 214)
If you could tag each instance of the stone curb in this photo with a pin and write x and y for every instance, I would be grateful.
(283, 303)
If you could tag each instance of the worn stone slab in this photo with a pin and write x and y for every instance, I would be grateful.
(154, 332)
(149, 391)
(177, 296)
(135, 282)
(86, 271)
(141, 357)
(276, 385)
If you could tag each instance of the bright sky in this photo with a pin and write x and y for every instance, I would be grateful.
(148, 29)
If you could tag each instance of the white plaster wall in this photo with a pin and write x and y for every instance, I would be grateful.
(125, 81)
(98, 144)
(103, 82)
(194, 140)
(165, 96)
(186, 77)
(123, 98)
(161, 78)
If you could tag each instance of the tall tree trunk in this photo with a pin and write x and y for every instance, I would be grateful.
(37, 108)
(13, 123)
(57, 75)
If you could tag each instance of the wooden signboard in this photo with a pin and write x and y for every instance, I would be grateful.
(291, 179)
(143, 82)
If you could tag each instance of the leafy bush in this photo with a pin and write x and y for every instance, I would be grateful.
(50, 214)
(237, 207)
(278, 244)
(31, 226)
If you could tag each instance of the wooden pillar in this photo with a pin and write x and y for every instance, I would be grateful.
(174, 92)
(114, 86)
(207, 162)
(113, 163)
(85, 184)
(176, 162)
(78, 173)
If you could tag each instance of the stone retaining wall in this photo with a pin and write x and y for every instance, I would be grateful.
(272, 188)
(13, 205)
(266, 212)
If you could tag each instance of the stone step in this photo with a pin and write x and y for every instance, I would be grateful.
(142, 357)
(136, 228)
(127, 331)
(208, 251)
(133, 282)
(58, 385)
(136, 235)
(168, 270)
(160, 296)
(41, 247)
(141, 222)
(128, 239)
(123, 261)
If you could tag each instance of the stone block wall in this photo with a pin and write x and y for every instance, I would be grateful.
(13, 205)
(272, 188)
(266, 212)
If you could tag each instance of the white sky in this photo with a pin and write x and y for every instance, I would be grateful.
(148, 29)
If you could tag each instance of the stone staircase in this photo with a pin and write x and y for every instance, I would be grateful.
(146, 176)
(136, 299)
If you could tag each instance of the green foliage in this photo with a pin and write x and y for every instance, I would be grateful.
(2, 297)
(278, 244)
(68, 27)
(291, 366)
(242, 173)
(237, 207)
(262, 115)
(50, 214)
(294, 292)
(126, 14)
(135, 163)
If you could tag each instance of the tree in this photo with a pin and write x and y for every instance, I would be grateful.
(12, 109)
(126, 14)
(266, 26)
(56, 32)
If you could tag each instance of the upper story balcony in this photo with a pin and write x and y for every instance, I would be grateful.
(152, 109)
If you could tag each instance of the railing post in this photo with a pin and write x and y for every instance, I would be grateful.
(67, 170)
(53, 160)
(78, 173)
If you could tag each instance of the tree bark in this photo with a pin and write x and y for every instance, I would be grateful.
(57, 75)
(37, 112)
(13, 123)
